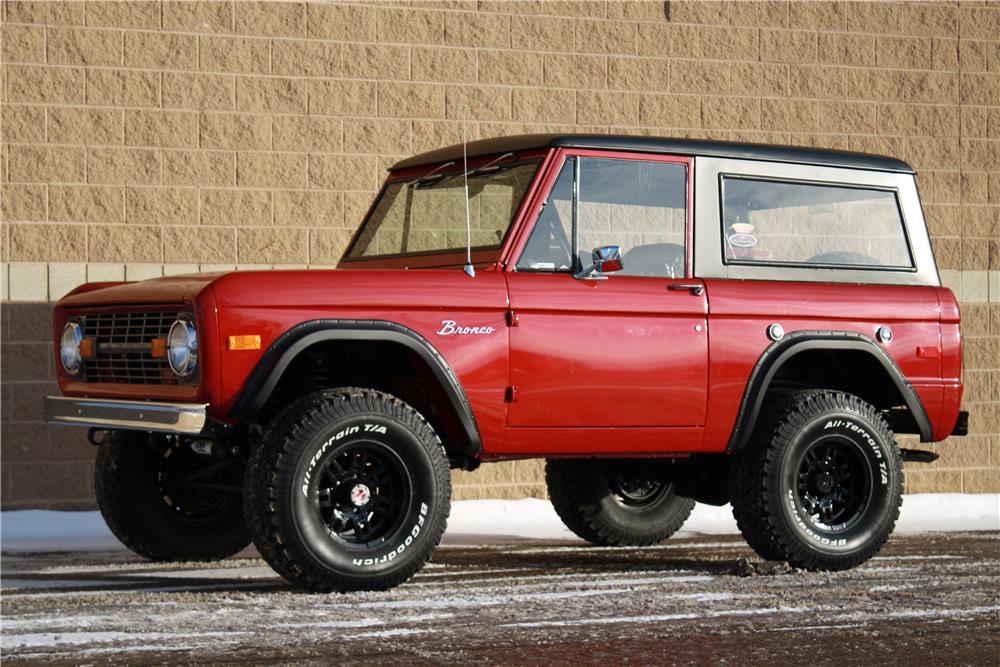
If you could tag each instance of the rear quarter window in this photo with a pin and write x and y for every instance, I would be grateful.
(790, 223)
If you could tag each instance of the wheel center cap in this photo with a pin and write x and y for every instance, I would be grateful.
(360, 495)
(824, 482)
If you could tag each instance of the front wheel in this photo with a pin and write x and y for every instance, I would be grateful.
(820, 484)
(349, 490)
(615, 503)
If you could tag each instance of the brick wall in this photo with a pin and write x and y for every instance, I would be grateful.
(143, 138)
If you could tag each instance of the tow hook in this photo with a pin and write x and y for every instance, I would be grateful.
(96, 436)
(214, 449)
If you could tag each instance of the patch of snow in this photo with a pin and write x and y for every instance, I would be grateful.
(478, 522)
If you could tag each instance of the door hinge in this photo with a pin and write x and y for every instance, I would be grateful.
(510, 395)
(511, 317)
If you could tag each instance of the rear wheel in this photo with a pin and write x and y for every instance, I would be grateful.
(166, 502)
(349, 490)
(820, 484)
(614, 503)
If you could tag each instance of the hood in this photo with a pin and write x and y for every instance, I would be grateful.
(169, 289)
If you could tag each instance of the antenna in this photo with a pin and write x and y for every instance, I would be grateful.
(469, 269)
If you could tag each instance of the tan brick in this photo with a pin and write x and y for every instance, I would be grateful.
(340, 22)
(478, 30)
(200, 244)
(692, 76)
(236, 130)
(45, 164)
(980, 88)
(602, 108)
(120, 243)
(235, 54)
(53, 85)
(274, 94)
(343, 172)
(791, 46)
(846, 49)
(931, 19)
(22, 125)
(201, 168)
(439, 64)
(68, 125)
(161, 206)
(327, 245)
(376, 61)
(817, 81)
(157, 50)
(110, 87)
(643, 74)
(431, 134)
(123, 165)
(273, 246)
(725, 43)
(821, 14)
(23, 203)
(540, 105)
(409, 100)
(274, 19)
(606, 37)
(302, 58)
(198, 16)
(981, 480)
(912, 52)
(670, 111)
(944, 53)
(65, 12)
(699, 11)
(508, 68)
(542, 33)
(922, 480)
(575, 71)
(792, 115)
(84, 46)
(766, 79)
(409, 26)
(235, 207)
(661, 39)
(86, 203)
(383, 136)
(847, 117)
(300, 208)
(22, 43)
(308, 133)
(44, 242)
(271, 170)
(60, 480)
(979, 22)
(730, 112)
(640, 10)
(173, 129)
(135, 14)
(341, 97)
(199, 91)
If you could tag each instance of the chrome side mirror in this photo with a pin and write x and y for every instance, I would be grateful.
(606, 259)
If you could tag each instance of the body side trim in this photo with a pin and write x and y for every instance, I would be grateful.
(780, 351)
(265, 375)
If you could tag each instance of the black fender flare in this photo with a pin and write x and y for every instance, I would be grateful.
(782, 350)
(265, 375)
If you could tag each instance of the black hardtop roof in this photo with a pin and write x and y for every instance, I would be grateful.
(742, 151)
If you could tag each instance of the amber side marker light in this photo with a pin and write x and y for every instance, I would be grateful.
(158, 348)
(88, 349)
(244, 342)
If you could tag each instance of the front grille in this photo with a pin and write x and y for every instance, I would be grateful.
(124, 347)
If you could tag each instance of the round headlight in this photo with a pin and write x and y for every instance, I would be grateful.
(69, 348)
(182, 348)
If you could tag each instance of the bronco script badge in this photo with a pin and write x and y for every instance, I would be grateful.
(449, 328)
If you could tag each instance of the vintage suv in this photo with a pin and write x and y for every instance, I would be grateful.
(665, 321)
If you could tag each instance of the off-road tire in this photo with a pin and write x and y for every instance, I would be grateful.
(772, 482)
(283, 500)
(583, 497)
(126, 484)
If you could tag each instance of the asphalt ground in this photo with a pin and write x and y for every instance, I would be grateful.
(930, 599)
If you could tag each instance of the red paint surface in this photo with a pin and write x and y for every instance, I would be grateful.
(601, 367)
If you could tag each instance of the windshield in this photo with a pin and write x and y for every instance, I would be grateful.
(427, 214)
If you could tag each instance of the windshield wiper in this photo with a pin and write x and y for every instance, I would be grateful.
(429, 176)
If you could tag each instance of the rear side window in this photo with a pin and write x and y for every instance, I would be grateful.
(810, 224)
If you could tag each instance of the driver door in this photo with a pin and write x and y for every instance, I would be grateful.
(629, 349)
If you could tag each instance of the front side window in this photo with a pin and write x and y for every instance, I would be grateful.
(639, 205)
(428, 214)
(810, 224)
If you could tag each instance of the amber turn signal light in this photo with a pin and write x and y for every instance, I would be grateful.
(88, 348)
(158, 348)
(248, 342)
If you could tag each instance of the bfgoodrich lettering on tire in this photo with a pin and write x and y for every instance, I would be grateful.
(820, 484)
(349, 490)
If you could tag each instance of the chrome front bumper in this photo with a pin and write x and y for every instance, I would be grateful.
(186, 418)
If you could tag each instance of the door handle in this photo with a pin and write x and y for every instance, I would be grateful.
(695, 288)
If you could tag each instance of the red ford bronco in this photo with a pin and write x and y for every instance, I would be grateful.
(665, 321)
